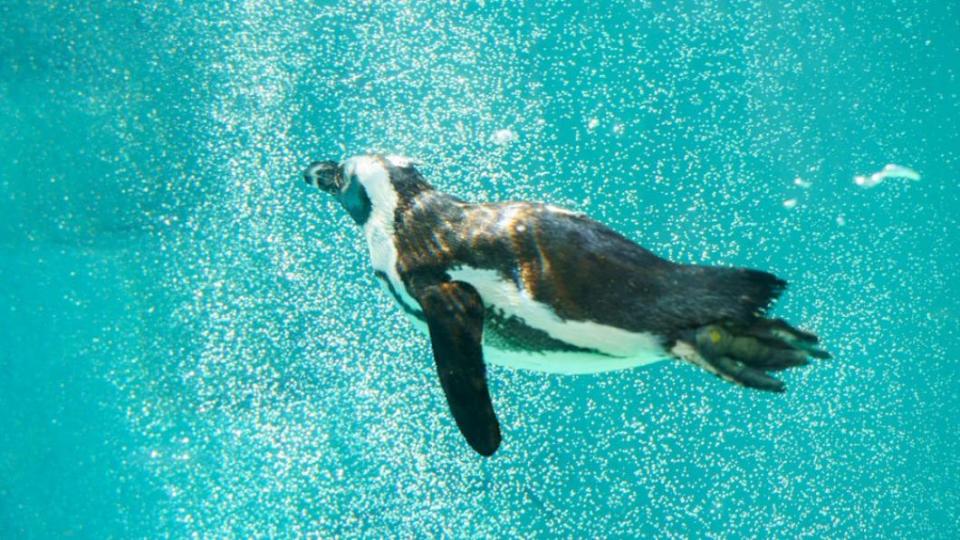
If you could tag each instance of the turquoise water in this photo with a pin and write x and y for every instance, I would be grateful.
(193, 343)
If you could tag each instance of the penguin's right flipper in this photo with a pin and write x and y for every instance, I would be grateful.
(454, 313)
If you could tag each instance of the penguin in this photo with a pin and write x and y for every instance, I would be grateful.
(533, 286)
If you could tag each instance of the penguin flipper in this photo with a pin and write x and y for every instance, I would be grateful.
(454, 313)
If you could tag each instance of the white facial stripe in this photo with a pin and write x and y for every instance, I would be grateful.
(378, 229)
(375, 179)
(504, 295)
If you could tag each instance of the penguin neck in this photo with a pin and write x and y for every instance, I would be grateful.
(356, 202)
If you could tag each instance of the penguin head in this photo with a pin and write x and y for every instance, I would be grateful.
(368, 184)
(326, 175)
(342, 181)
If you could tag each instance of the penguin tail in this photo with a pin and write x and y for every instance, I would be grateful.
(746, 354)
(709, 293)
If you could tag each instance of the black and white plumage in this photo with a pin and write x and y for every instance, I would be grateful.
(534, 286)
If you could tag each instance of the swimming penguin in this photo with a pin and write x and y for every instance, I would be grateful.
(534, 286)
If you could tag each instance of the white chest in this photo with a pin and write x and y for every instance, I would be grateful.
(383, 252)
(383, 258)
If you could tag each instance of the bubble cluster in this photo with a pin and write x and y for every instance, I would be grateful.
(889, 171)
(271, 389)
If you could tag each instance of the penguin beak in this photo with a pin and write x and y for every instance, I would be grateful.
(325, 175)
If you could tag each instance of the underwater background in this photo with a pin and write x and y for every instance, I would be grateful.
(193, 344)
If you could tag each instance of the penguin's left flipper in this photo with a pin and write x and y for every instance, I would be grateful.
(454, 313)
(744, 355)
